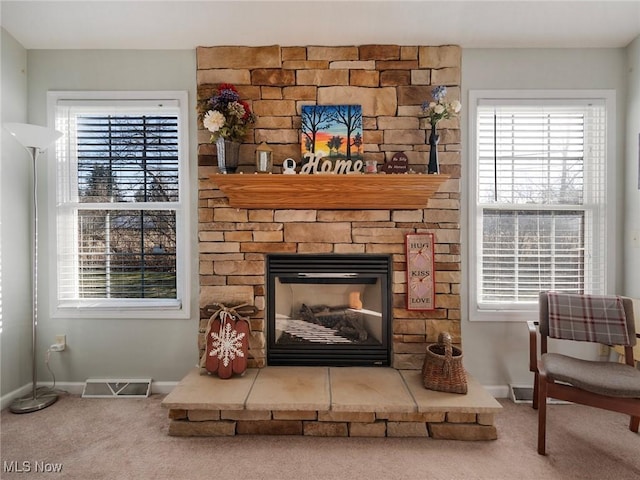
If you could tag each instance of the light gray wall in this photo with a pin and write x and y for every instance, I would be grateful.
(497, 353)
(15, 205)
(115, 348)
(632, 165)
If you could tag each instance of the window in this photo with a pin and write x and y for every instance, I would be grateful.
(539, 183)
(121, 204)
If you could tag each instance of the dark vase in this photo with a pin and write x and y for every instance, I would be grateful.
(228, 155)
(434, 138)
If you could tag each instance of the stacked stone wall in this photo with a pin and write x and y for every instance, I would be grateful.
(390, 82)
(437, 425)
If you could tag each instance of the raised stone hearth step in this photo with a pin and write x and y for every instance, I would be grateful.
(330, 402)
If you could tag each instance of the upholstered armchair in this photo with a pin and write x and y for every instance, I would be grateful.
(608, 320)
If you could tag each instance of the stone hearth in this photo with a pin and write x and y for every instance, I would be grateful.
(328, 402)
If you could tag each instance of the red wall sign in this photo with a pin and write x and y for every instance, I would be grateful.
(420, 272)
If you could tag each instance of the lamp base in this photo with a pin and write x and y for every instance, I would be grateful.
(33, 404)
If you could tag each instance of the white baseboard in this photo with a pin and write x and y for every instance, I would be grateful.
(162, 387)
(75, 388)
(526, 395)
(498, 391)
(68, 387)
(7, 399)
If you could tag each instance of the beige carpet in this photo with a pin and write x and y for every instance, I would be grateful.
(127, 439)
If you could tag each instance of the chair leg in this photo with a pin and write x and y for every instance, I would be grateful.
(634, 424)
(535, 391)
(542, 414)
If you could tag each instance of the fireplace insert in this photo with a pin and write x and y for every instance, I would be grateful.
(329, 309)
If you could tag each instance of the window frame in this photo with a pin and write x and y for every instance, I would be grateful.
(126, 308)
(529, 311)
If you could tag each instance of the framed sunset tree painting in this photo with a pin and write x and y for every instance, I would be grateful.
(335, 131)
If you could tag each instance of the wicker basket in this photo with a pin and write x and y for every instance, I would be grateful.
(442, 369)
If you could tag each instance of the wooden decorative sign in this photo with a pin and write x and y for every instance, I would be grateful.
(314, 165)
(420, 272)
(399, 163)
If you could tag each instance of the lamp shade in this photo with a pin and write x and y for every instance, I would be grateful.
(33, 135)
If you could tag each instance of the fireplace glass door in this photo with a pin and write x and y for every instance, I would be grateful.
(328, 310)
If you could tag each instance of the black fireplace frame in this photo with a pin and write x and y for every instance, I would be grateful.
(359, 268)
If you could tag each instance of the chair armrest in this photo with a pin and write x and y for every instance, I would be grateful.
(533, 345)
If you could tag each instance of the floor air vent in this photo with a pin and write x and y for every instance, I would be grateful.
(524, 394)
(520, 394)
(123, 388)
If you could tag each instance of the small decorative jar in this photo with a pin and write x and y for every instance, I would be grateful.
(370, 166)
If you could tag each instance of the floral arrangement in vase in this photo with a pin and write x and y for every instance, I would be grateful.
(225, 115)
(228, 119)
(437, 110)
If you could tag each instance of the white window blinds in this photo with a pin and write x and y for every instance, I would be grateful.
(120, 210)
(540, 196)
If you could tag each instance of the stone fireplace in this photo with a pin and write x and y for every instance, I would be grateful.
(247, 219)
(390, 82)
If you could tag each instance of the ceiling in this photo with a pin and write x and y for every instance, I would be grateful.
(183, 24)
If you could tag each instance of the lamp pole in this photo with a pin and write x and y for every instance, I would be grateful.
(35, 139)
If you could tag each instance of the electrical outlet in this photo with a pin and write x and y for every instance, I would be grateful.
(61, 340)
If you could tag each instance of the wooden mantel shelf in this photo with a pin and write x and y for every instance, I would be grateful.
(329, 192)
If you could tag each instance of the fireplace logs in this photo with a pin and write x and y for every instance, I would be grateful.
(344, 320)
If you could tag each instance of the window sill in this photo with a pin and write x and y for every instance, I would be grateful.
(504, 315)
(121, 309)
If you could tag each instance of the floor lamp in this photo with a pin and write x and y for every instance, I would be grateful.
(35, 139)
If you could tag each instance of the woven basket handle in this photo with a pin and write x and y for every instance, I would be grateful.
(445, 338)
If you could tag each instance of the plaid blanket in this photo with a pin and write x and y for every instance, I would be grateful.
(590, 318)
